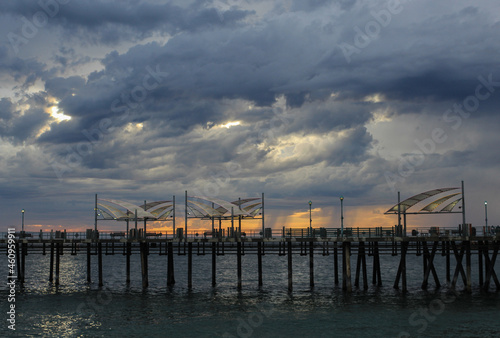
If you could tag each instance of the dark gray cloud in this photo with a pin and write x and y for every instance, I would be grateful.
(63, 87)
(111, 22)
(21, 128)
(6, 109)
(17, 70)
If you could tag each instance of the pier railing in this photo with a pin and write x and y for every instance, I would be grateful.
(283, 233)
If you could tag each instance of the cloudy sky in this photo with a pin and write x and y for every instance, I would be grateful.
(299, 99)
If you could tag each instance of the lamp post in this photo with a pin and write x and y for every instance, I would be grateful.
(310, 218)
(232, 223)
(22, 223)
(486, 214)
(341, 216)
(95, 217)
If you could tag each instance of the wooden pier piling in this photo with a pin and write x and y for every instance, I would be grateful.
(311, 264)
(127, 262)
(259, 262)
(58, 260)
(468, 266)
(490, 264)
(290, 274)
(88, 263)
(459, 269)
(238, 255)
(401, 274)
(24, 253)
(190, 266)
(361, 267)
(447, 259)
(429, 265)
(51, 264)
(336, 263)
(18, 260)
(486, 264)
(377, 274)
(170, 264)
(404, 250)
(480, 248)
(365, 273)
(214, 264)
(346, 266)
(99, 263)
(144, 263)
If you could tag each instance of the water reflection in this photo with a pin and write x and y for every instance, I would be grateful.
(76, 308)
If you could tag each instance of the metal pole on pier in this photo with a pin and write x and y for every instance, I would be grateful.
(95, 218)
(463, 206)
(173, 217)
(145, 220)
(239, 218)
(135, 224)
(263, 229)
(310, 219)
(232, 222)
(213, 222)
(186, 216)
(220, 228)
(22, 224)
(342, 216)
(486, 215)
(404, 222)
(398, 231)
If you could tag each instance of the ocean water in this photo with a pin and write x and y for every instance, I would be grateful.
(77, 309)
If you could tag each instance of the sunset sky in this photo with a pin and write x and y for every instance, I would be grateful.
(298, 99)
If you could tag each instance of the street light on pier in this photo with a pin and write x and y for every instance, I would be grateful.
(341, 216)
(310, 218)
(22, 223)
(486, 214)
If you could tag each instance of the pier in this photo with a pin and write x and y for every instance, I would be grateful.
(461, 243)
(362, 243)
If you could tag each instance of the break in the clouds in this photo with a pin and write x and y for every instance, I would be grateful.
(298, 99)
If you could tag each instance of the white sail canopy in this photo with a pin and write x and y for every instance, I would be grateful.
(410, 202)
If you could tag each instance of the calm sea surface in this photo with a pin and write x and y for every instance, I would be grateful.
(75, 309)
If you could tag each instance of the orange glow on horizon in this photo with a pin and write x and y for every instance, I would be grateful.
(360, 216)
